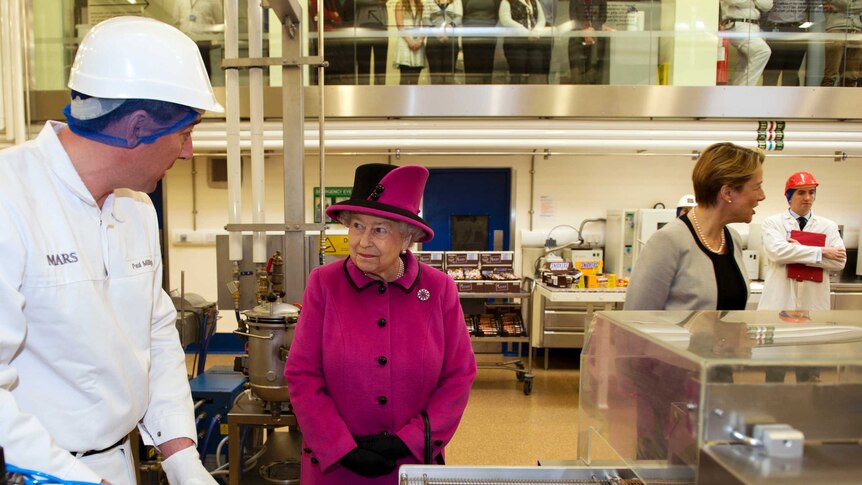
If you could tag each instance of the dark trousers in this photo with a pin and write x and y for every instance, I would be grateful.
(524, 58)
(410, 75)
(546, 45)
(786, 58)
(441, 57)
(364, 48)
(588, 63)
(478, 59)
(339, 54)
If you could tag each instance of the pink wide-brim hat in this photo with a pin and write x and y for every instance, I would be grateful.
(387, 191)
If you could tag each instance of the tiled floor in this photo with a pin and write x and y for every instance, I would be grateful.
(502, 426)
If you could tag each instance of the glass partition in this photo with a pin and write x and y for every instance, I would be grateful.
(605, 42)
(658, 386)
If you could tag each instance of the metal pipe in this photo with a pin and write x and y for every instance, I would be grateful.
(532, 187)
(5, 72)
(382, 146)
(16, 60)
(708, 126)
(231, 139)
(321, 137)
(25, 16)
(258, 171)
(294, 157)
(194, 196)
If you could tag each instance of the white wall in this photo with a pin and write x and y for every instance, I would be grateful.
(580, 187)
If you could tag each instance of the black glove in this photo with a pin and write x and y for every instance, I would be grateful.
(367, 463)
(388, 445)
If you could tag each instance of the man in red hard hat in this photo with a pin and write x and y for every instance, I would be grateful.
(788, 291)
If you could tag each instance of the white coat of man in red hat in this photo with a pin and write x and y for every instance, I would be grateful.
(780, 291)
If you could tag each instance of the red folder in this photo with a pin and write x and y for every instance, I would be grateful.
(801, 272)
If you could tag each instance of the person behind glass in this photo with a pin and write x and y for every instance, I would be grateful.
(549, 8)
(410, 16)
(89, 348)
(338, 51)
(842, 17)
(523, 53)
(588, 55)
(742, 17)
(780, 291)
(369, 15)
(197, 18)
(694, 262)
(481, 15)
(381, 355)
(786, 17)
(441, 48)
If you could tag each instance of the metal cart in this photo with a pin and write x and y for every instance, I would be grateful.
(524, 373)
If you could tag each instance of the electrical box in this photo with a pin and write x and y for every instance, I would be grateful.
(214, 393)
(751, 258)
(619, 242)
(627, 231)
(190, 310)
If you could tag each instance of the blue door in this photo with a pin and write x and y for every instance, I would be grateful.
(458, 201)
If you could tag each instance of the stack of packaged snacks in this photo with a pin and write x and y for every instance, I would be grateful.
(488, 326)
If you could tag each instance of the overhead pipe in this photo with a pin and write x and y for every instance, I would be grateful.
(578, 125)
(258, 172)
(231, 140)
(5, 72)
(534, 134)
(381, 145)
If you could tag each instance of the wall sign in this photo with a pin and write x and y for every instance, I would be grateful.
(333, 195)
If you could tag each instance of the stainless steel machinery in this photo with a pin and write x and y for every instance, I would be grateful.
(269, 329)
(707, 398)
(734, 397)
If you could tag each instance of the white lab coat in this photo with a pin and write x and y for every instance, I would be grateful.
(88, 343)
(781, 292)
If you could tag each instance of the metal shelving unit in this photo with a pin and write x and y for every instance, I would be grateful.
(524, 373)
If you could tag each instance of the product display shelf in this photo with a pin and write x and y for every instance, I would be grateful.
(524, 373)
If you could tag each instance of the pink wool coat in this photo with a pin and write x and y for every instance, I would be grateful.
(369, 357)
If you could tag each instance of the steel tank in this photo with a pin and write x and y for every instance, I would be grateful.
(270, 332)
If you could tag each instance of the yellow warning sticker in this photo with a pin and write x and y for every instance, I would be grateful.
(335, 245)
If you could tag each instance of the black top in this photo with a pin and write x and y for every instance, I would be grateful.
(732, 291)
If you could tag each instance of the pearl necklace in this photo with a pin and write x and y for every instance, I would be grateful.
(398, 275)
(703, 239)
(400, 272)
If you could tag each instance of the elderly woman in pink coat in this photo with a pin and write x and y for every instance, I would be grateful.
(381, 366)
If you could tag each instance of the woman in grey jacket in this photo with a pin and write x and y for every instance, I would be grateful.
(695, 262)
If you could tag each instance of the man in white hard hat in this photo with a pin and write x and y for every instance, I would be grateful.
(781, 289)
(685, 204)
(88, 344)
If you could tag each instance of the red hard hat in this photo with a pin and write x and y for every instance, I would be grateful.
(800, 179)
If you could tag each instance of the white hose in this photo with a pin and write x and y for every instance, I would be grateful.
(218, 452)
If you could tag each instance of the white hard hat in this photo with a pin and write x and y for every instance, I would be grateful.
(686, 200)
(141, 58)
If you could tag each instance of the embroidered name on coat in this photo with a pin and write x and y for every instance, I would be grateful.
(60, 259)
(141, 264)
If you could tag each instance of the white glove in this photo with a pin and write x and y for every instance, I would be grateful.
(185, 468)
